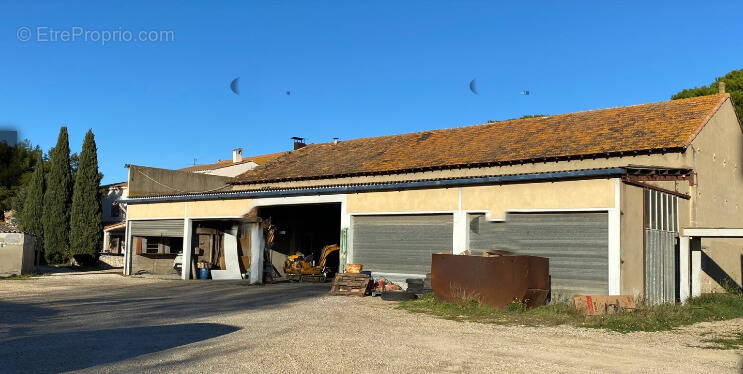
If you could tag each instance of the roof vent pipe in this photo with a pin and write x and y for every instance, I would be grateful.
(237, 155)
(335, 140)
(721, 87)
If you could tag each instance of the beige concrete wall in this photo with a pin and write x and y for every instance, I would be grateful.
(156, 210)
(717, 198)
(580, 194)
(219, 208)
(404, 201)
(206, 208)
(497, 199)
(631, 240)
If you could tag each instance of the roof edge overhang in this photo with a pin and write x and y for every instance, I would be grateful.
(389, 186)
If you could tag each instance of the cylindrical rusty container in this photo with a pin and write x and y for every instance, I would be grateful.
(494, 281)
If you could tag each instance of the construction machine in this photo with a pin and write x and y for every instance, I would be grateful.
(298, 267)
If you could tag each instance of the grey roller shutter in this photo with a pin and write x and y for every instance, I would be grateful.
(163, 227)
(576, 243)
(401, 243)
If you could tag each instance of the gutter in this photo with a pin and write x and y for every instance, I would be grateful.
(471, 181)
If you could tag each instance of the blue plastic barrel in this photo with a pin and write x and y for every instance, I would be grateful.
(204, 273)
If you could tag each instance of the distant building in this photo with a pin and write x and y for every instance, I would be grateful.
(234, 167)
(113, 215)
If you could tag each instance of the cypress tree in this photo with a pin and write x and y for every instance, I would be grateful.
(86, 228)
(56, 216)
(31, 215)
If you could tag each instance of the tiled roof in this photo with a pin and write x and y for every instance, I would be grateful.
(652, 127)
(114, 185)
(7, 229)
(114, 225)
(260, 160)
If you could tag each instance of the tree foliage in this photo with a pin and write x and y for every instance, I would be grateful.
(16, 166)
(56, 205)
(85, 214)
(32, 212)
(733, 85)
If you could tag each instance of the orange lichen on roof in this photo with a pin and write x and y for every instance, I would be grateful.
(658, 126)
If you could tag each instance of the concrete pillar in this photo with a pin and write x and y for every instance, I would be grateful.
(187, 234)
(256, 253)
(684, 269)
(106, 240)
(696, 266)
(461, 232)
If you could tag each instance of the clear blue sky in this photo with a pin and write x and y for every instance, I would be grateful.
(354, 69)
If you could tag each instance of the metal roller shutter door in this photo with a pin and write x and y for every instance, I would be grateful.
(577, 244)
(163, 227)
(401, 243)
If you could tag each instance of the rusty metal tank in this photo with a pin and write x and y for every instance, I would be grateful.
(494, 281)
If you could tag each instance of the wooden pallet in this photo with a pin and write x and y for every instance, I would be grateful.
(346, 284)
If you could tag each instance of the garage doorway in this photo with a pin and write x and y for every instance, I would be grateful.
(304, 229)
(576, 243)
(401, 244)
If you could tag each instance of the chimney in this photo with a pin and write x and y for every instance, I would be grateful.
(298, 142)
(335, 140)
(237, 155)
(721, 87)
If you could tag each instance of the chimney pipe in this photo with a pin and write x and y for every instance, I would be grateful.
(721, 87)
(298, 142)
(335, 140)
(237, 155)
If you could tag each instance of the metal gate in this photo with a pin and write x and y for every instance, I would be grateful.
(661, 237)
(401, 244)
(576, 243)
(163, 227)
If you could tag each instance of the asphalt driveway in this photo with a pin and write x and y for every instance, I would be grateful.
(103, 322)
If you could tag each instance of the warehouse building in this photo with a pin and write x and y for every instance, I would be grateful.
(604, 194)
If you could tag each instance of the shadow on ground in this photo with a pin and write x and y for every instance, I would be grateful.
(58, 352)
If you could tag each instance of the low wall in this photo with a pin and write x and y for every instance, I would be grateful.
(160, 264)
(111, 260)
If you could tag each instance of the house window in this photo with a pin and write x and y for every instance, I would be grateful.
(115, 210)
(161, 245)
(153, 245)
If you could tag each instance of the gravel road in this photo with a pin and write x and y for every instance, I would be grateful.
(105, 323)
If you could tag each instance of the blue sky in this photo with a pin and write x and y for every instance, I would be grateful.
(354, 69)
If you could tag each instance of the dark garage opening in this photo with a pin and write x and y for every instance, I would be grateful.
(303, 229)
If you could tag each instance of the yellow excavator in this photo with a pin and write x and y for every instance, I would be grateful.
(298, 267)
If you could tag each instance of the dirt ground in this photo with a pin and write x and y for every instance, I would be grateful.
(103, 322)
